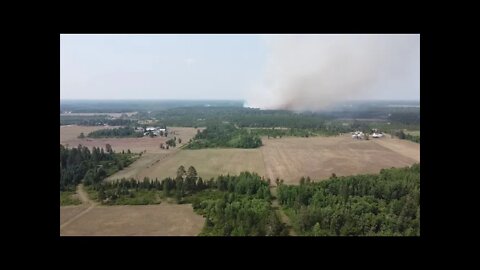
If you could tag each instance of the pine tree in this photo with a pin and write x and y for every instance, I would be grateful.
(192, 172)
(180, 171)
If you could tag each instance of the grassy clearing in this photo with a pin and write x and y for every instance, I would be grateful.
(132, 197)
(67, 198)
(92, 193)
(140, 197)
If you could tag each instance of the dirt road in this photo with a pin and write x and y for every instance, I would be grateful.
(278, 209)
(83, 196)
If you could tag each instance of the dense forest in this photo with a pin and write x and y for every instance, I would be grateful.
(121, 132)
(224, 135)
(244, 208)
(79, 163)
(119, 106)
(242, 117)
(250, 117)
(373, 205)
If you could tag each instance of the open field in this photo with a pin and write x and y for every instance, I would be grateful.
(403, 147)
(208, 163)
(288, 158)
(115, 115)
(145, 220)
(68, 135)
(319, 157)
(71, 132)
(70, 211)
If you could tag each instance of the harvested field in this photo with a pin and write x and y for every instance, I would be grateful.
(68, 135)
(149, 220)
(71, 132)
(288, 158)
(319, 157)
(403, 147)
(143, 163)
(208, 163)
(68, 212)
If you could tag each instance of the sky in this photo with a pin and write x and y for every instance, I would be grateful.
(265, 70)
(159, 66)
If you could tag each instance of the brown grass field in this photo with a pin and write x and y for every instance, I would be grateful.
(71, 132)
(128, 220)
(288, 158)
(70, 211)
(208, 163)
(319, 157)
(68, 135)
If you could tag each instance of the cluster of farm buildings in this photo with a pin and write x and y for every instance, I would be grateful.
(155, 131)
(360, 135)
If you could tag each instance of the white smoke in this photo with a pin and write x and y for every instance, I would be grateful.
(313, 72)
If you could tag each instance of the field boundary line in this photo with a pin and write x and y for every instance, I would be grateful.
(85, 201)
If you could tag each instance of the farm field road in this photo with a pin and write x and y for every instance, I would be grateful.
(83, 196)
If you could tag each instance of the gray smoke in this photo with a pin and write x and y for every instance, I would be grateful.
(314, 72)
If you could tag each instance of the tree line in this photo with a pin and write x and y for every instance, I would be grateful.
(377, 205)
(94, 121)
(405, 136)
(232, 205)
(224, 135)
(79, 163)
(115, 132)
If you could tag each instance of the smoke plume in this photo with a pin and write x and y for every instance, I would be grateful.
(314, 72)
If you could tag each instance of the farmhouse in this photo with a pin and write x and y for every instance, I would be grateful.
(155, 131)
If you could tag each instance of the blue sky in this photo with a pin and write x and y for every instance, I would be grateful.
(265, 70)
(159, 66)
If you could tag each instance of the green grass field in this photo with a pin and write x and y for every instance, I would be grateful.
(209, 163)
(66, 198)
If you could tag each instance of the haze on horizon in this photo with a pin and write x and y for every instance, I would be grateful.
(267, 71)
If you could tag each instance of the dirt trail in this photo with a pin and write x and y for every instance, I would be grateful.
(85, 201)
(278, 209)
(83, 196)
